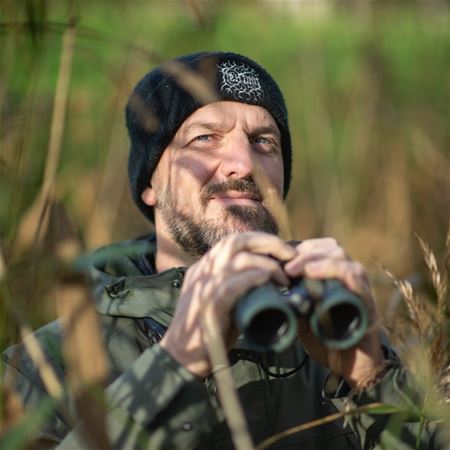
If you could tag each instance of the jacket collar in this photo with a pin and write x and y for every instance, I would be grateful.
(126, 284)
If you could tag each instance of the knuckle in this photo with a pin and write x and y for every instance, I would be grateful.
(332, 242)
(358, 269)
(339, 252)
(324, 242)
(240, 261)
(232, 241)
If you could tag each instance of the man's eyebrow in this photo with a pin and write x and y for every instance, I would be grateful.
(211, 126)
(266, 129)
(214, 126)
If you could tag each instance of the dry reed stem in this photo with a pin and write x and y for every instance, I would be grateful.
(34, 225)
(274, 203)
(2, 265)
(434, 369)
(439, 282)
(83, 342)
(230, 403)
(194, 83)
(200, 89)
(86, 358)
(420, 363)
(113, 178)
(11, 408)
(412, 303)
(439, 342)
(37, 356)
(216, 349)
(227, 392)
(48, 376)
(147, 120)
(447, 253)
(317, 422)
(198, 13)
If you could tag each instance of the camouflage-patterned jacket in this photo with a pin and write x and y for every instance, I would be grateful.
(156, 404)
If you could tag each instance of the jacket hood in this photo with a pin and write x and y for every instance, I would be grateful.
(126, 284)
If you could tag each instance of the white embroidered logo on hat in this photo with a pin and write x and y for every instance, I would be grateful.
(240, 81)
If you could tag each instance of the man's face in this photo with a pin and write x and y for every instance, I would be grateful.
(204, 185)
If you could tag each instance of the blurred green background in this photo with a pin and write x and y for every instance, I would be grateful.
(368, 91)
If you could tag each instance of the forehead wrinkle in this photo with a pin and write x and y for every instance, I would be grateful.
(224, 119)
(218, 125)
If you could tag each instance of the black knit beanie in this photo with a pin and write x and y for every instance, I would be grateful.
(169, 94)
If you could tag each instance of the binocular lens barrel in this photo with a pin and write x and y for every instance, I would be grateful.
(340, 319)
(268, 318)
(267, 322)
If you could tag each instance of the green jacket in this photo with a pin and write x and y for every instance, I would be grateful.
(156, 404)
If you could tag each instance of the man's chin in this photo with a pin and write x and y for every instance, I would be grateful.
(241, 219)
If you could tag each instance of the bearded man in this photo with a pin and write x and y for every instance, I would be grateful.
(198, 154)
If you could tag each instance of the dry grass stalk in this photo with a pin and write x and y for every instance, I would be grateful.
(447, 247)
(86, 359)
(200, 89)
(225, 386)
(83, 343)
(197, 11)
(34, 224)
(315, 423)
(36, 353)
(197, 85)
(227, 392)
(34, 350)
(439, 342)
(147, 120)
(431, 364)
(11, 408)
(434, 401)
(216, 349)
(113, 180)
(439, 282)
(273, 201)
(415, 308)
(2, 265)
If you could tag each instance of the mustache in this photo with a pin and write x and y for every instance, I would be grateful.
(246, 185)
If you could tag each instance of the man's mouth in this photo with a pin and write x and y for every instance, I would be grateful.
(236, 197)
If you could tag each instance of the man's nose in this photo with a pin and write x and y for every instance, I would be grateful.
(238, 158)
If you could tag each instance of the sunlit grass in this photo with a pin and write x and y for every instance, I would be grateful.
(368, 96)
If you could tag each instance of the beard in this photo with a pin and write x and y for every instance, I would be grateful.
(196, 234)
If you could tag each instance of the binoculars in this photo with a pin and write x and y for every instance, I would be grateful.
(268, 315)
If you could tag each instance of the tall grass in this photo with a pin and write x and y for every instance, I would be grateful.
(368, 95)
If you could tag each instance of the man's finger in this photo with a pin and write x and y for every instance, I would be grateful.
(295, 266)
(254, 242)
(351, 273)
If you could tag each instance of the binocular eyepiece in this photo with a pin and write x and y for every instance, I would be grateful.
(267, 315)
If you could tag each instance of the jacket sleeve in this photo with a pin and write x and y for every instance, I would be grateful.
(154, 404)
(402, 430)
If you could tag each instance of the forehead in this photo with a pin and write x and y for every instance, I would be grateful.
(227, 114)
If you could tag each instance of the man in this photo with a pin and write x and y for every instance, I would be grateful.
(195, 169)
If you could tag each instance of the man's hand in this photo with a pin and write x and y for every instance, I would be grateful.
(236, 264)
(323, 259)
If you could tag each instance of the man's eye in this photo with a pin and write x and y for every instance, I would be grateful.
(266, 144)
(203, 137)
(261, 140)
